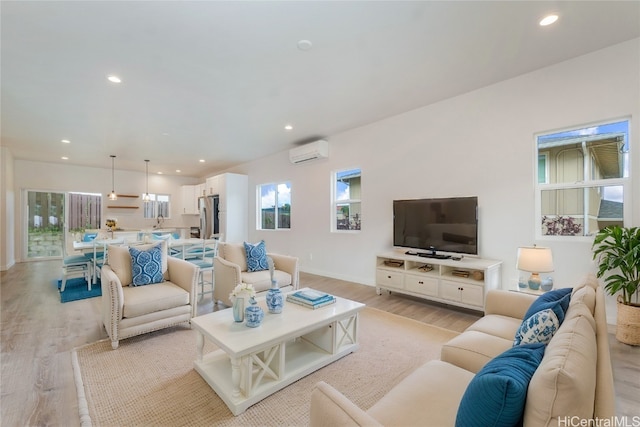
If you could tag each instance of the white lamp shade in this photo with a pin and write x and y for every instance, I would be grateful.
(535, 259)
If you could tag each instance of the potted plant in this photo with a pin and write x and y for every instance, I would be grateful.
(617, 250)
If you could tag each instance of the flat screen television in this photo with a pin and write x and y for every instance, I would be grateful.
(444, 225)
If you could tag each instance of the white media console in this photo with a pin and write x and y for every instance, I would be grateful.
(462, 283)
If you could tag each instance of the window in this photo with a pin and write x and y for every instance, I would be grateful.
(582, 177)
(158, 206)
(347, 213)
(274, 201)
(84, 211)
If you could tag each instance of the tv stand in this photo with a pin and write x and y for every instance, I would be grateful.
(461, 282)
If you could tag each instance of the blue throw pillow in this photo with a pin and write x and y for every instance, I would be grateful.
(557, 300)
(146, 266)
(256, 256)
(540, 327)
(496, 395)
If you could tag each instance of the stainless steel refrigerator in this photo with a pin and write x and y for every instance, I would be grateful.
(209, 212)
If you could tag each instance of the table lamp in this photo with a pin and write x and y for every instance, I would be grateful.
(535, 260)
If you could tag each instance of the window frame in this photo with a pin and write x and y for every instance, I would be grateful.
(154, 205)
(586, 182)
(276, 207)
(335, 203)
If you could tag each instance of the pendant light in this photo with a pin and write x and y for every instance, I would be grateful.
(112, 195)
(146, 197)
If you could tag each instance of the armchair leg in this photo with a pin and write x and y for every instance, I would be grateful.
(114, 344)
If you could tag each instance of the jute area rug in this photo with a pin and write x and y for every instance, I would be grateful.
(150, 380)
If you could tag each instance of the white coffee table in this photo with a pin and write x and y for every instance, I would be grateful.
(253, 363)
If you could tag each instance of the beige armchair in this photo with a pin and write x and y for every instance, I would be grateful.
(133, 310)
(230, 269)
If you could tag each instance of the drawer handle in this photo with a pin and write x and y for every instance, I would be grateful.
(421, 282)
(388, 277)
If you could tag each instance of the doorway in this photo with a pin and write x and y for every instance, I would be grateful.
(45, 238)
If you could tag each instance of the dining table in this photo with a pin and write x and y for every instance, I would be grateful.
(92, 247)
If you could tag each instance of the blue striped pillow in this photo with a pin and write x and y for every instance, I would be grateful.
(497, 394)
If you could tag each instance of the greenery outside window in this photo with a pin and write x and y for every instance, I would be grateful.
(274, 206)
(582, 179)
(158, 206)
(346, 193)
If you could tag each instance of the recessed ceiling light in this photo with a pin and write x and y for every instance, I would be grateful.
(288, 127)
(159, 173)
(178, 170)
(305, 45)
(66, 141)
(64, 158)
(201, 160)
(548, 20)
(114, 79)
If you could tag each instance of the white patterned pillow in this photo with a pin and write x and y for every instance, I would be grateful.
(539, 327)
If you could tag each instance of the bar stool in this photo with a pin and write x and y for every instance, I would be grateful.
(204, 260)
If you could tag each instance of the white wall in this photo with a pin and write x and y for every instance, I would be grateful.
(59, 177)
(7, 204)
(480, 143)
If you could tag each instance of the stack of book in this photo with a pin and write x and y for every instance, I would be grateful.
(311, 298)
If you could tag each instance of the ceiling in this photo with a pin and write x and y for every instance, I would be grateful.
(219, 80)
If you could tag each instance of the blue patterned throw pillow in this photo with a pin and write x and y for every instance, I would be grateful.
(146, 266)
(540, 327)
(256, 256)
(556, 300)
(497, 394)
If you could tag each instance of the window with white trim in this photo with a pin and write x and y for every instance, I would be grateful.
(158, 206)
(582, 177)
(347, 206)
(274, 206)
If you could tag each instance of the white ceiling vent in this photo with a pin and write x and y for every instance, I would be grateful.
(314, 150)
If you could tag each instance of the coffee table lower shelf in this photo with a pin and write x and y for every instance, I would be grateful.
(299, 358)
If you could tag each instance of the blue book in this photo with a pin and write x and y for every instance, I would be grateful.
(307, 304)
(311, 295)
(294, 298)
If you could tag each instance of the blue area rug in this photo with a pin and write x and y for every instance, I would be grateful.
(76, 289)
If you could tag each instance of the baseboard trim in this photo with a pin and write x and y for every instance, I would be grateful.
(8, 266)
(337, 276)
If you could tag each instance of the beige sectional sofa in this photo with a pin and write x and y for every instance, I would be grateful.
(573, 381)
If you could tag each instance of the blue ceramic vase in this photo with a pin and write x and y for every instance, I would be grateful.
(275, 301)
(253, 314)
(546, 284)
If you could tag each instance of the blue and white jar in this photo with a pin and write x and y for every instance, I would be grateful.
(253, 314)
(275, 300)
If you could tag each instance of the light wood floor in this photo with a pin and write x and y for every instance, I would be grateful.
(38, 334)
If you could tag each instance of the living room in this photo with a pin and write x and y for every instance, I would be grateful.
(390, 152)
(477, 143)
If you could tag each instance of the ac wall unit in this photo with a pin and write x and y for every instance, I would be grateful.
(314, 150)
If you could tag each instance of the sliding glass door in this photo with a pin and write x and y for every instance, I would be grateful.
(45, 237)
(53, 219)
